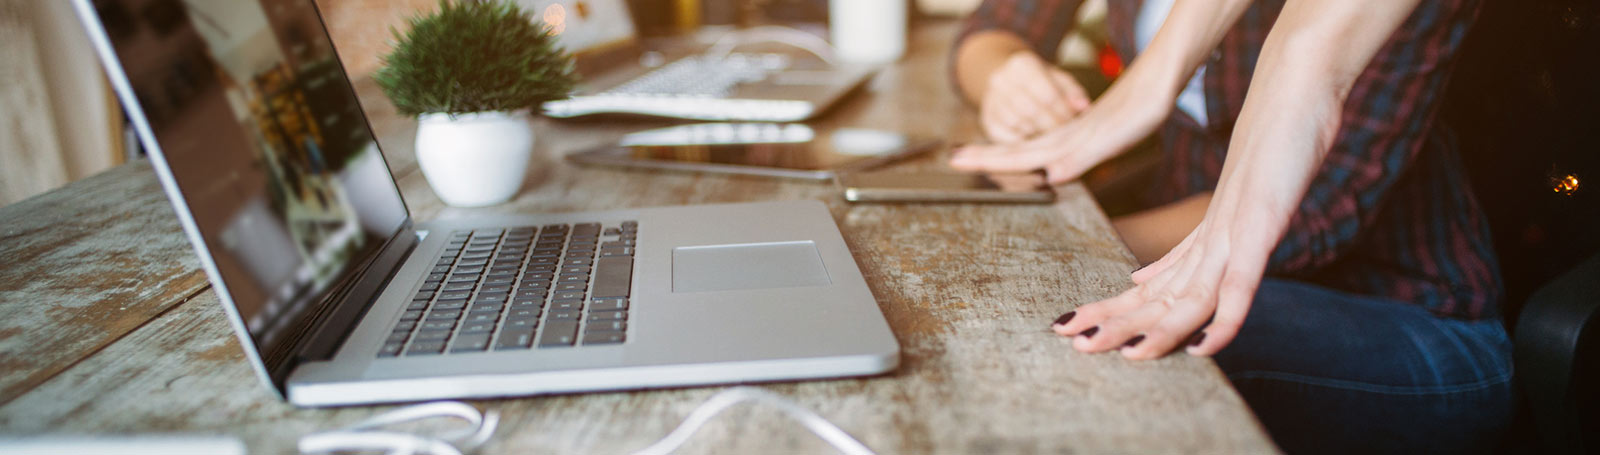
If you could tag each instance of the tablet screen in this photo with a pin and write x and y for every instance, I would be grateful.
(767, 145)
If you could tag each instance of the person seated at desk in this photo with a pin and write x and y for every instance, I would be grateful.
(1312, 229)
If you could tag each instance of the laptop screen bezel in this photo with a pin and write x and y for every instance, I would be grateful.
(362, 269)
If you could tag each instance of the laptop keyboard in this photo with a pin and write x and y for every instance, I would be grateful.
(555, 286)
(698, 76)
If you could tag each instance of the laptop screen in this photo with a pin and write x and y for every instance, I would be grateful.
(267, 144)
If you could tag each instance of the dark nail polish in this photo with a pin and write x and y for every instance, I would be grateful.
(1198, 337)
(1133, 341)
(1090, 333)
(1065, 318)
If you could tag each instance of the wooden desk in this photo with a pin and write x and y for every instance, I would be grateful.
(111, 327)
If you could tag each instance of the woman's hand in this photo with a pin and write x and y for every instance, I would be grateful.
(1129, 111)
(1289, 121)
(1026, 96)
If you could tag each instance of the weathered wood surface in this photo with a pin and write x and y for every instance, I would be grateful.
(968, 290)
(82, 266)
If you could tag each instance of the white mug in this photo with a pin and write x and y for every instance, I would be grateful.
(868, 31)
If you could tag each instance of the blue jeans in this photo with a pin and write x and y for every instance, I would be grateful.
(1332, 372)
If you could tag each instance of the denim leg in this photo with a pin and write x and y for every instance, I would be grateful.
(1333, 372)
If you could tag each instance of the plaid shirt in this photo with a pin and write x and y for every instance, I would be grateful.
(1389, 213)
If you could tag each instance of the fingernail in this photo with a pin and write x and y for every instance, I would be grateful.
(1198, 337)
(1065, 318)
(1133, 341)
(1090, 333)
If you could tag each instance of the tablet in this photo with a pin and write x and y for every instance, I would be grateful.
(764, 149)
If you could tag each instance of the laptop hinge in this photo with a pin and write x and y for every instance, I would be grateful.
(358, 296)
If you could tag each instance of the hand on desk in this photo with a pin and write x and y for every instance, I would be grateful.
(1026, 96)
(1122, 117)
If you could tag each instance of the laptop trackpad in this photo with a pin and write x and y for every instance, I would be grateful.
(747, 266)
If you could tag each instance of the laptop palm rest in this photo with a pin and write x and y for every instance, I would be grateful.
(747, 266)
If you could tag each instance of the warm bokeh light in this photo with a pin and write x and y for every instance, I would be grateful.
(555, 16)
(1566, 185)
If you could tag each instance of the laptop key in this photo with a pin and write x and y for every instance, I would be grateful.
(613, 276)
(391, 349)
(546, 268)
(574, 279)
(450, 305)
(598, 338)
(607, 315)
(425, 348)
(566, 305)
(438, 325)
(523, 313)
(527, 302)
(521, 324)
(607, 326)
(580, 261)
(459, 286)
(411, 315)
(482, 317)
(405, 326)
(609, 304)
(564, 316)
(478, 327)
(563, 295)
(429, 286)
(511, 340)
(433, 335)
(417, 305)
(572, 286)
(474, 342)
(559, 334)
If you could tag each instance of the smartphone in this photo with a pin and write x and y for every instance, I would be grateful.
(944, 187)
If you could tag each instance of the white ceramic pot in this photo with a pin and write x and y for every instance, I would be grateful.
(474, 160)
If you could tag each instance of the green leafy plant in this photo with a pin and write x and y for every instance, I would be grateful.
(472, 56)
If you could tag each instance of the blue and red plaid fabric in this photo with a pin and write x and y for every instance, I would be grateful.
(1389, 213)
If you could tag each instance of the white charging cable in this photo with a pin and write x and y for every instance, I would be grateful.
(366, 437)
(721, 401)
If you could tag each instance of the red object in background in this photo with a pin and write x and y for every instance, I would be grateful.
(1110, 62)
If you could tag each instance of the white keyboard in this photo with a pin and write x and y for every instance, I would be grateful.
(692, 88)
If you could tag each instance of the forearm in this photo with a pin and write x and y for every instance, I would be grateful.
(1191, 32)
(1291, 116)
(980, 55)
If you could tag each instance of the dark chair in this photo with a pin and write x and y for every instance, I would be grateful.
(1525, 99)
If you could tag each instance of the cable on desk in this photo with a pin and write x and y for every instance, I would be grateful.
(721, 401)
(365, 435)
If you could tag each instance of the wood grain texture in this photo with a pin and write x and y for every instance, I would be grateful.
(84, 265)
(967, 289)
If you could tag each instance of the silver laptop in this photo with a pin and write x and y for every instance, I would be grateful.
(339, 299)
(788, 77)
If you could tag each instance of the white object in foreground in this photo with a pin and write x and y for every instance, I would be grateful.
(474, 160)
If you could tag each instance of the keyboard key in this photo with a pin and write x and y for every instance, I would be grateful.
(398, 336)
(607, 326)
(438, 325)
(405, 325)
(572, 286)
(423, 296)
(486, 307)
(607, 315)
(510, 340)
(391, 349)
(545, 268)
(566, 269)
(474, 262)
(498, 289)
(616, 252)
(612, 231)
(613, 276)
(425, 348)
(441, 269)
(450, 305)
(411, 315)
(567, 315)
(542, 260)
(485, 317)
(435, 277)
(521, 324)
(454, 295)
(490, 297)
(478, 327)
(471, 342)
(433, 335)
(609, 304)
(429, 286)
(527, 302)
(566, 305)
(523, 313)
(598, 338)
(563, 295)
(459, 286)
(573, 279)
(417, 305)
(630, 224)
(559, 333)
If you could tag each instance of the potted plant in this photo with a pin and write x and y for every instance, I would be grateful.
(473, 73)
